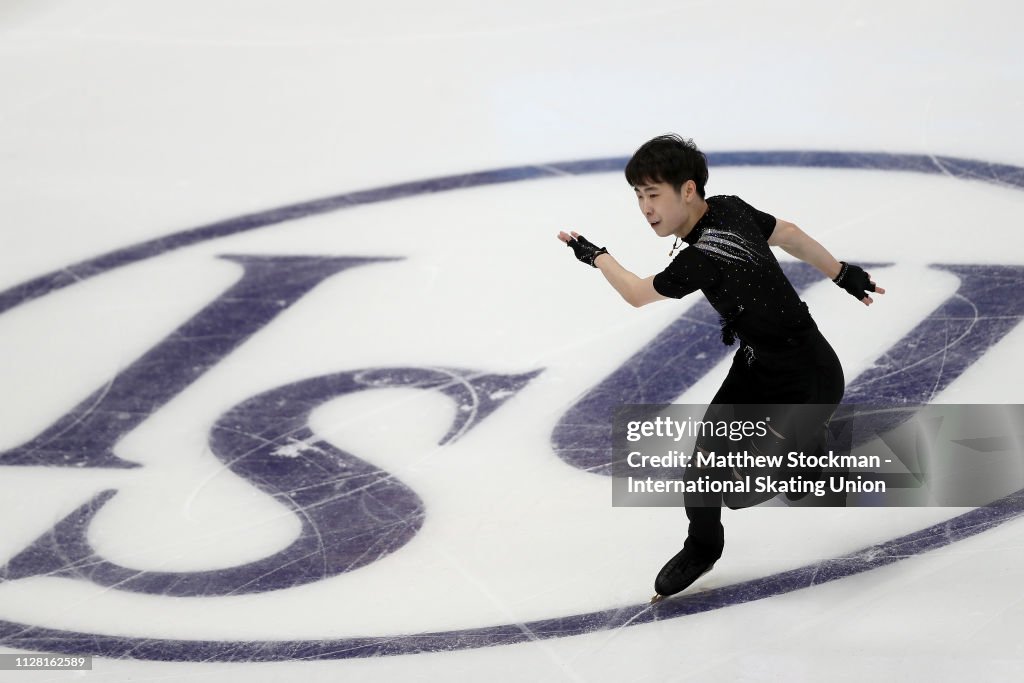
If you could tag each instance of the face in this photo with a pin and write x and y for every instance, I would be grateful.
(669, 212)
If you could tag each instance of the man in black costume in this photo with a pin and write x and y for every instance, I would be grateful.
(782, 357)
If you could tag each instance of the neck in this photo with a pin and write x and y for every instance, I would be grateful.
(700, 209)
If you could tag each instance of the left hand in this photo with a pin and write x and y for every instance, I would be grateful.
(858, 283)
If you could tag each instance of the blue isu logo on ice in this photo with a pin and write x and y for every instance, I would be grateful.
(353, 513)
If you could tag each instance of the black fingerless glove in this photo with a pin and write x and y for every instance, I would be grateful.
(854, 280)
(585, 251)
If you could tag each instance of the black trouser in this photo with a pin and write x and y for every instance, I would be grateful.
(805, 370)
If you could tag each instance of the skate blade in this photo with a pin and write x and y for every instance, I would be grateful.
(658, 597)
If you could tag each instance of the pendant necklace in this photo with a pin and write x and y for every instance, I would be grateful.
(675, 247)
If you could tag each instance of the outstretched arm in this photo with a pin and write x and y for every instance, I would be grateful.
(799, 244)
(635, 290)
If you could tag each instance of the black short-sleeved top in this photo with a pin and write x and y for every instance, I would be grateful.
(729, 260)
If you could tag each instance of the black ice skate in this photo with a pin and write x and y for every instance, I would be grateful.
(689, 564)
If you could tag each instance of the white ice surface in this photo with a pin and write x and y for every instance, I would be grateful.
(124, 121)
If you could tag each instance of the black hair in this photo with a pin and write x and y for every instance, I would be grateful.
(668, 159)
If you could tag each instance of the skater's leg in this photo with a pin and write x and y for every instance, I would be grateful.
(706, 525)
(705, 538)
(824, 385)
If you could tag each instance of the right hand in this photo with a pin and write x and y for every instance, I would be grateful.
(585, 251)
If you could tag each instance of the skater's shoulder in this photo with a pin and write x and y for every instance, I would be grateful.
(726, 205)
(726, 200)
(722, 210)
(730, 207)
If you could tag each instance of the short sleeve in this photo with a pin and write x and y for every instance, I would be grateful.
(688, 272)
(765, 221)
